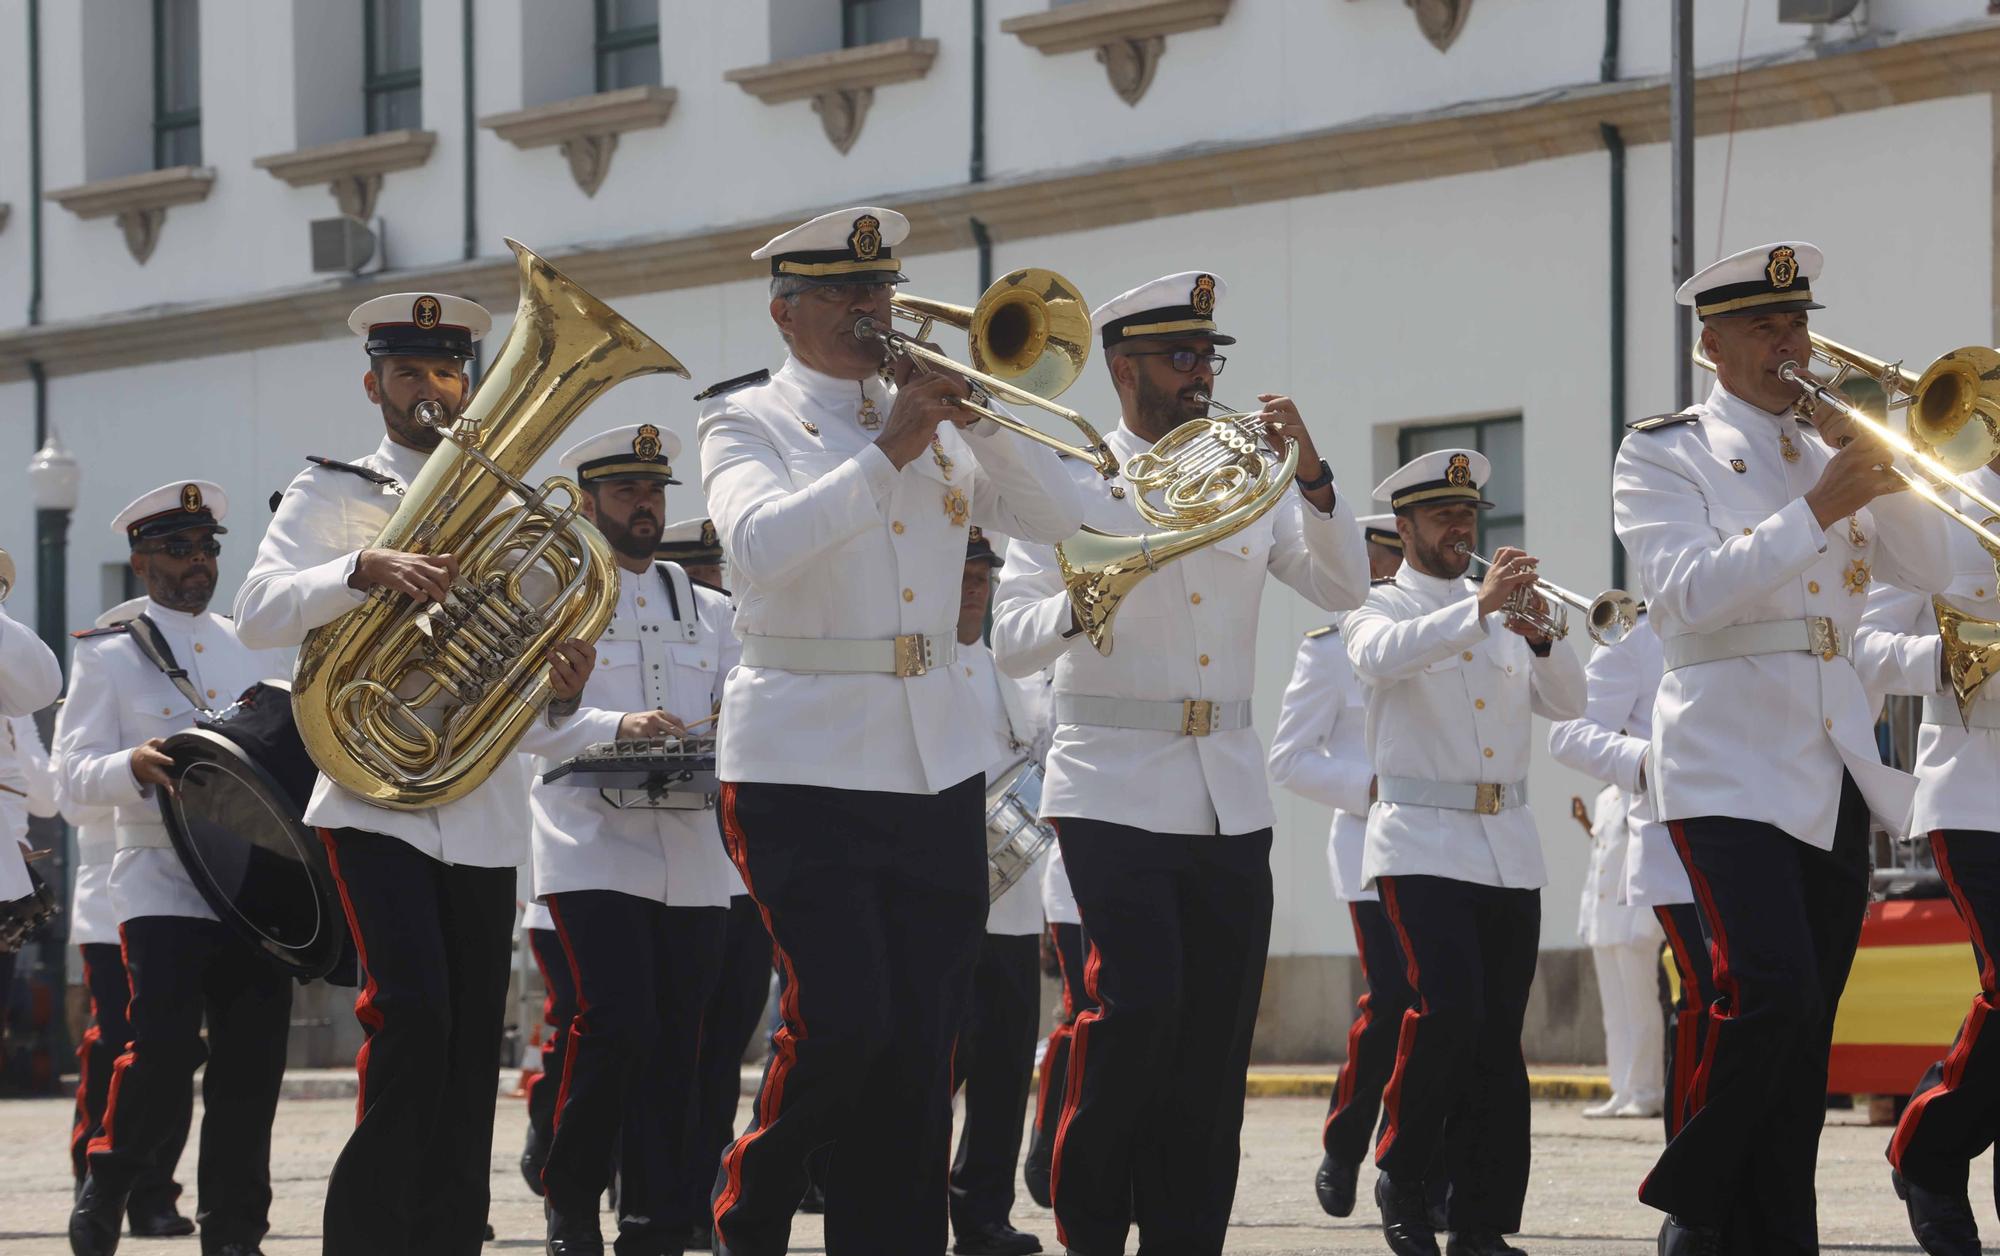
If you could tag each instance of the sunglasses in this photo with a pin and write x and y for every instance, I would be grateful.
(1184, 360)
(186, 549)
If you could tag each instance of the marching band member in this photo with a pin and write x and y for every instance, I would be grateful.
(1156, 782)
(30, 676)
(694, 545)
(1320, 751)
(1954, 1112)
(853, 803)
(1759, 541)
(994, 1060)
(638, 894)
(184, 965)
(429, 893)
(1453, 678)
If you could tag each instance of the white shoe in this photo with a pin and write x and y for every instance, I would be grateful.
(1598, 1111)
(1639, 1108)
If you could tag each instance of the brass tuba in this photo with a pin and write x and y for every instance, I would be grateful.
(411, 705)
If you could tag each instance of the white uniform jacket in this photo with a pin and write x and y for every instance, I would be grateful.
(1450, 693)
(27, 788)
(1018, 912)
(827, 539)
(1603, 916)
(1189, 630)
(1320, 751)
(118, 700)
(91, 915)
(668, 648)
(1763, 738)
(299, 582)
(30, 676)
(1610, 742)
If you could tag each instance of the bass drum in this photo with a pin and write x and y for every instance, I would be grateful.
(1015, 837)
(235, 816)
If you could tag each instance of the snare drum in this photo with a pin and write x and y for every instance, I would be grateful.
(1015, 837)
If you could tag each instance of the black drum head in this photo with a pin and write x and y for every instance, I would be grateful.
(239, 835)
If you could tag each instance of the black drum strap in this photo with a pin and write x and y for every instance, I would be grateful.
(146, 635)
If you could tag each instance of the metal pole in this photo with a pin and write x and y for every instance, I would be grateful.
(1681, 109)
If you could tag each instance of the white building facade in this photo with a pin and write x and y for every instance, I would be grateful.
(1426, 210)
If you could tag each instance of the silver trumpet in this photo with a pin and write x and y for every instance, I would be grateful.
(1609, 617)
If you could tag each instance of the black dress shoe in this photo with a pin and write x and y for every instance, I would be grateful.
(534, 1154)
(1035, 1176)
(1478, 1243)
(1941, 1220)
(573, 1236)
(238, 1249)
(1334, 1184)
(995, 1238)
(97, 1220)
(1406, 1221)
(158, 1221)
(1678, 1238)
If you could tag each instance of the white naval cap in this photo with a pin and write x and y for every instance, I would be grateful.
(1181, 304)
(122, 612)
(855, 245)
(420, 324)
(1381, 530)
(1769, 279)
(1442, 475)
(636, 451)
(690, 541)
(172, 508)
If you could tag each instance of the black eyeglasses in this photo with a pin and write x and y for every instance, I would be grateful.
(186, 549)
(845, 293)
(1184, 360)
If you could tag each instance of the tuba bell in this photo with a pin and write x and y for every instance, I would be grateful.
(410, 705)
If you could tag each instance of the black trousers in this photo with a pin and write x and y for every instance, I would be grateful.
(995, 1063)
(643, 973)
(97, 1055)
(1371, 1039)
(1178, 926)
(1458, 1095)
(735, 1011)
(1954, 1113)
(558, 1011)
(1077, 999)
(185, 972)
(1687, 1020)
(1783, 920)
(875, 903)
(435, 943)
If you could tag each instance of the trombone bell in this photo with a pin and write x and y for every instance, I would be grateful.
(1971, 648)
(1030, 328)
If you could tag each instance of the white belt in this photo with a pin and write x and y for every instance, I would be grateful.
(911, 654)
(147, 837)
(1191, 717)
(1815, 634)
(1945, 714)
(1488, 798)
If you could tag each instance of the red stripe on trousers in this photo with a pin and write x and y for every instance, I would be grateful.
(103, 1140)
(1057, 1036)
(1686, 1022)
(1406, 1034)
(79, 1135)
(784, 1043)
(1343, 1086)
(1975, 1019)
(1079, 1044)
(365, 1010)
(548, 1018)
(578, 1025)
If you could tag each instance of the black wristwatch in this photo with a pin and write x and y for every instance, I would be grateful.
(1320, 481)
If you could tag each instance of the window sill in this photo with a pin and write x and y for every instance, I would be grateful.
(1129, 35)
(352, 169)
(138, 201)
(840, 84)
(587, 127)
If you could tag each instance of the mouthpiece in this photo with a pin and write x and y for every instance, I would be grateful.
(429, 413)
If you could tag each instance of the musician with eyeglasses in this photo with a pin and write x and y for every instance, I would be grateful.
(1454, 671)
(1156, 784)
(135, 683)
(853, 796)
(428, 892)
(1759, 533)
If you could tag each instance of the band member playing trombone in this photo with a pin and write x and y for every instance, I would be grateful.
(1454, 670)
(853, 796)
(1156, 784)
(1759, 539)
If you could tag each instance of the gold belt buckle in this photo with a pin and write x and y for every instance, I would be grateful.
(1822, 638)
(912, 655)
(1197, 717)
(1490, 797)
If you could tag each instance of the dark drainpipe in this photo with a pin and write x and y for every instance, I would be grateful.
(1614, 147)
(977, 174)
(471, 248)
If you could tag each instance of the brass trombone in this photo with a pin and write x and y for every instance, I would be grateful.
(1609, 617)
(1029, 336)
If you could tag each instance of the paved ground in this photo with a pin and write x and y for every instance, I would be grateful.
(1580, 1203)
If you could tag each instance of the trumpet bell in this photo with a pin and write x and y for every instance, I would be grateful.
(1612, 617)
(1031, 328)
(1955, 408)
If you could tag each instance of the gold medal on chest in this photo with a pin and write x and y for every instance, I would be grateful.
(1857, 577)
(1854, 535)
(938, 455)
(956, 508)
(870, 418)
(812, 428)
(1786, 447)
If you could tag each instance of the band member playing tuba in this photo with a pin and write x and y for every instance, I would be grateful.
(853, 795)
(1156, 784)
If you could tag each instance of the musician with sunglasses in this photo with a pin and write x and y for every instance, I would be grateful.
(186, 967)
(1156, 784)
(1759, 538)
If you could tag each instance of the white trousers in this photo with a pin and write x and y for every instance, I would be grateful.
(1634, 1042)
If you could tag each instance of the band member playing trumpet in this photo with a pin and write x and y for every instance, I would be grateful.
(638, 894)
(1454, 671)
(1156, 784)
(428, 892)
(185, 966)
(1759, 539)
(853, 796)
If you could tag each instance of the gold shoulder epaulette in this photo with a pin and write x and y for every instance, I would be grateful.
(1326, 630)
(731, 385)
(1658, 421)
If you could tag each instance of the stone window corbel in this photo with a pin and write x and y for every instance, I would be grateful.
(352, 169)
(138, 201)
(587, 127)
(1129, 35)
(841, 84)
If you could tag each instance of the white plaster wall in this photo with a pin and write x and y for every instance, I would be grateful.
(14, 175)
